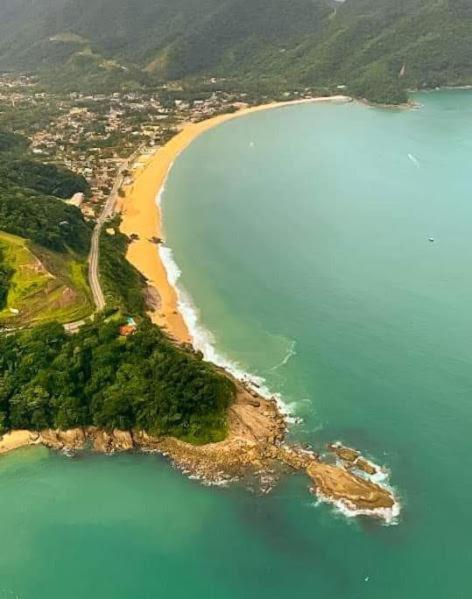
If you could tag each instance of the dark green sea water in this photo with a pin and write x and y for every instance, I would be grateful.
(302, 237)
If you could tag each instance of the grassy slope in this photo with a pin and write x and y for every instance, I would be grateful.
(45, 285)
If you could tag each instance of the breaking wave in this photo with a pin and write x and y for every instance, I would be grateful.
(388, 515)
(202, 339)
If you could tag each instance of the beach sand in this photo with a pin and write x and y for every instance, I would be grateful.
(16, 439)
(141, 215)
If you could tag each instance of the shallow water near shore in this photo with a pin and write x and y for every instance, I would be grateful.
(302, 235)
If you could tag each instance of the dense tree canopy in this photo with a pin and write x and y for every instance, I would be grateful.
(51, 379)
(319, 43)
(44, 220)
(12, 143)
(29, 199)
(5, 275)
(124, 286)
(47, 179)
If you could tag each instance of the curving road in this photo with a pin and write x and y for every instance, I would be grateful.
(107, 212)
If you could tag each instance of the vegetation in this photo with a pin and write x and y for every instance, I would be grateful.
(44, 220)
(47, 179)
(26, 118)
(377, 85)
(11, 142)
(39, 285)
(122, 284)
(28, 199)
(43, 241)
(6, 273)
(51, 379)
(378, 48)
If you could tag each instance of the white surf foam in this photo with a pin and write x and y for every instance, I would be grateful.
(388, 515)
(382, 479)
(290, 353)
(203, 339)
(414, 160)
(162, 190)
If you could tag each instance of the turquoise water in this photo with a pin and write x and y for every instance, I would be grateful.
(302, 236)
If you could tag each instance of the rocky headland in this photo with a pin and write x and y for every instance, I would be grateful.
(254, 451)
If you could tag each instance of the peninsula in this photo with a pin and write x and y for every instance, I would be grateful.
(104, 399)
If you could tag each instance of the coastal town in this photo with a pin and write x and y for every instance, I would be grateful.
(100, 137)
(95, 134)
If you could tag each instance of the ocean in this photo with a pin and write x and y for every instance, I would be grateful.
(326, 250)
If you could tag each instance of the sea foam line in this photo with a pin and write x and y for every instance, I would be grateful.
(388, 515)
(202, 338)
(204, 341)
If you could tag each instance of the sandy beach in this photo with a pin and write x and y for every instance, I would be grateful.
(141, 215)
(16, 439)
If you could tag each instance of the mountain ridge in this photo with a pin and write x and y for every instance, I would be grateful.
(364, 44)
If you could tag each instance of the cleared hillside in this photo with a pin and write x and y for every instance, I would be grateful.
(42, 285)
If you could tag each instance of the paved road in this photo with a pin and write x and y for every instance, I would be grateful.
(94, 255)
(107, 212)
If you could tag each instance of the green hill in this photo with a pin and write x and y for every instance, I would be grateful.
(40, 285)
(365, 44)
(44, 242)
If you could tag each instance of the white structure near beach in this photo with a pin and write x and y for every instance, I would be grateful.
(76, 200)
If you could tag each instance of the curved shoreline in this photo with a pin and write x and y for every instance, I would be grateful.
(256, 428)
(142, 215)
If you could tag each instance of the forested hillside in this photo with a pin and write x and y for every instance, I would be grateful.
(30, 199)
(51, 379)
(44, 242)
(369, 45)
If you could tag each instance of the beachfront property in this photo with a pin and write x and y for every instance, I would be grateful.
(94, 134)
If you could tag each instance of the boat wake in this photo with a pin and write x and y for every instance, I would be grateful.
(415, 160)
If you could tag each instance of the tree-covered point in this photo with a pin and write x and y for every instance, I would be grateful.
(379, 86)
(96, 377)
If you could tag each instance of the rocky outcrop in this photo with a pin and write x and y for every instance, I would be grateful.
(336, 484)
(110, 442)
(352, 458)
(254, 450)
(72, 440)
